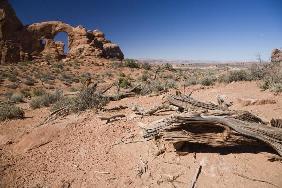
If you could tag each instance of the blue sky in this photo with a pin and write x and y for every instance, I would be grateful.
(171, 29)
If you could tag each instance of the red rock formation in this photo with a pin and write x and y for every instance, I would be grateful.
(276, 55)
(18, 42)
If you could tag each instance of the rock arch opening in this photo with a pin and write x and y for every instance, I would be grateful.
(62, 41)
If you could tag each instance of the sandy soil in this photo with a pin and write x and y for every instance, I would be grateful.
(80, 150)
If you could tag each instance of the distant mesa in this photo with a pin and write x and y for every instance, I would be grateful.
(36, 41)
(276, 55)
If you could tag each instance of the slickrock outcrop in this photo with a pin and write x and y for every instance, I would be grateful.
(276, 55)
(20, 43)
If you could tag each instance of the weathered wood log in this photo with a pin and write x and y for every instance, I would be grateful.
(267, 134)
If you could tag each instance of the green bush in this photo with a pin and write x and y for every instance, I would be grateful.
(10, 111)
(191, 81)
(146, 66)
(272, 79)
(145, 76)
(25, 92)
(170, 83)
(257, 72)
(25, 63)
(16, 97)
(12, 78)
(84, 77)
(13, 86)
(208, 81)
(86, 99)
(29, 81)
(45, 100)
(38, 92)
(234, 76)
(168, 66)
(65, 102)
(156, 86)
(131, 63)
(116, 64)
(124, 82)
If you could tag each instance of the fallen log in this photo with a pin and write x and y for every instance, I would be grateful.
(267, 134)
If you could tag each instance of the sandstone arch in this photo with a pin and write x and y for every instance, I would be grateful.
(18, 42)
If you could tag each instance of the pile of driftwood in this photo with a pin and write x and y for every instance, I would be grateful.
(211, 124)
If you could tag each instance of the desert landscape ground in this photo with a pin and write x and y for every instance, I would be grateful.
(92, 118)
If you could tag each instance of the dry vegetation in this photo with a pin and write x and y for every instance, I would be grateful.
(42, 86)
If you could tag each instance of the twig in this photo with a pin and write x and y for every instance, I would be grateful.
(194, 181)
(163, 107)
(120, 96)
(105, 90)
(120, 107)
(99, 172)
(128, 142)
(108, 119)
(253, 179)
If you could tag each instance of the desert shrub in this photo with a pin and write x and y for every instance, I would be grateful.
(45, 100)
(234, 76)
(10, 111)
(131, 63)
(170, 83)
(191, 81)
(25, 92)
(29, 81)
(167, 76)
(124, 82)
(86, 99)
(69, 78)
(16, 97)
(84, 77)
(146, 66)
(155, 86)
(44, 77)
(25, 63)
(144, 77)
(75, 63)
(272, 79)
(65, 102)
(256, 72)
(168, 66)
(121, 74)
(208, 81)
(8, 94)
(12, 78)
(13, 86)
(38, 92)
(73, 89)
(116, 64)
(58, 66)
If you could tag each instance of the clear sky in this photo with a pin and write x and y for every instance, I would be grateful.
(171, 29)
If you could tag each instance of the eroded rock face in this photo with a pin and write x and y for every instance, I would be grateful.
(18, 42)
(276, 55)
